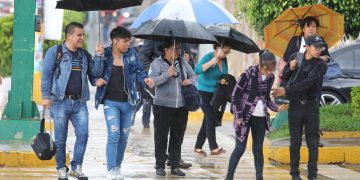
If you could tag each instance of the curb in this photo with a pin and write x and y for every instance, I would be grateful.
(327, 155)
(199, 115)
(26, 159)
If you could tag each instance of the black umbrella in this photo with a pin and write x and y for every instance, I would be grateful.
(95, 5)
(237, 40)
(179, 30)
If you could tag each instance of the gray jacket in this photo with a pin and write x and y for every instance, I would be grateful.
(168, 90)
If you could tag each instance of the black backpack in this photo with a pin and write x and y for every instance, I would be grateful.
(43, 145)
(59, 56)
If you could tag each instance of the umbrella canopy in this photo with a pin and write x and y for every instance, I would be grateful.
(180, 30)
(279, 32)
(205, 12)
(237, 40)
(95, 5)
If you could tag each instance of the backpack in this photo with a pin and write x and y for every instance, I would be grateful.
(59, 55)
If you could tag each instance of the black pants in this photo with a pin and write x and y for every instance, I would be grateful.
(258, 128)
(301, 115)
(169, 119)
(207, 129)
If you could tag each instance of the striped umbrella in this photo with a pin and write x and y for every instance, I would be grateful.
(205, 12)
(279, 32)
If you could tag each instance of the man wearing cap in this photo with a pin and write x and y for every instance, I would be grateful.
(306, 81)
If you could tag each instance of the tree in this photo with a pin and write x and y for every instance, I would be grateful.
(69, 16)
(6, 38)
(6, 31)
(260, 13)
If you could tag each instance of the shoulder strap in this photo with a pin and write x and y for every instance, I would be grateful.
(299, 59)
(181, 70)
(59, 55)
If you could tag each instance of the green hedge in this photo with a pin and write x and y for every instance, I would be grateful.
(355, 101)
(332, 118)
(6, 31)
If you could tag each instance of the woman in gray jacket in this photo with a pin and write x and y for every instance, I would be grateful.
(169, 106)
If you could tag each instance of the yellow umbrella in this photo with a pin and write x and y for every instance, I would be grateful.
(279, 32)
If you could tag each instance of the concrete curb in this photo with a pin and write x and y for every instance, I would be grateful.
(327, 155)
(25, 159)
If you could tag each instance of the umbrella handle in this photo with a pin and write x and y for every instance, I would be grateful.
(221, 46)
(99, 27)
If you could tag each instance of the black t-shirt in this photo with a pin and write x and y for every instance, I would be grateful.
(75, 83)
(116, 87)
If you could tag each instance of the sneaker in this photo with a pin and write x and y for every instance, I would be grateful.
(177, 172)
(78, 174)
(119, 176)
(62, 174)
(112, 174)
(160, 172)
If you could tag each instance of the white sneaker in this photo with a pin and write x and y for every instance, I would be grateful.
(62, 174)
(77, 173)
(119, 176)
(112, 174)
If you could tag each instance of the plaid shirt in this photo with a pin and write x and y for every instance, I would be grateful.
(247, 92)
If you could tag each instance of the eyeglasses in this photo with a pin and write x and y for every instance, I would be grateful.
(318, 48)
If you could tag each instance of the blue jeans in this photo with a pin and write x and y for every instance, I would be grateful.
(76, 111)
(118, 121)
(258, 128)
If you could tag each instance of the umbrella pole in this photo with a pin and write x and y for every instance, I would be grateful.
(218, 53)
(99, 27)
(173, 54)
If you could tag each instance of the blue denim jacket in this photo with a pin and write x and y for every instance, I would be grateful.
(134, 76)
(54, 87)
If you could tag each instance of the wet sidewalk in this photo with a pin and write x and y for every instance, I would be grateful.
(139, 158)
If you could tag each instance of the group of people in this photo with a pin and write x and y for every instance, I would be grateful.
(118, 72)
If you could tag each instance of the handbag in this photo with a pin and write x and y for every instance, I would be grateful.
(43, 145)
(191, 94)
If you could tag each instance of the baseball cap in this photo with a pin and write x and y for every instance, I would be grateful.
(315, 40)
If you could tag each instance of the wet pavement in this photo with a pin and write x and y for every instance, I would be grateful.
(139, 158)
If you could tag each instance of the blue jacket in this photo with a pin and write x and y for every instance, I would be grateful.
(134, 76)
(54, 87)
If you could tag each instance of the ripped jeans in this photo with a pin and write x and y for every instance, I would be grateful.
(118, 121)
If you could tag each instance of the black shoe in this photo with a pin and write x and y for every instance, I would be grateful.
(177, 172)
(182, 164)
(312, 178)
(296, 177)
(160, 172)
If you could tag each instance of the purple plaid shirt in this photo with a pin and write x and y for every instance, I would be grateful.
(247, 92)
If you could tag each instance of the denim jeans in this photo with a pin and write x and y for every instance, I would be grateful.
(76, 111)
(258, 127)
(118, 121)
(207, 129)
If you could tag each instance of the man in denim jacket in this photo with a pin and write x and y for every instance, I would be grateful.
(65, 89)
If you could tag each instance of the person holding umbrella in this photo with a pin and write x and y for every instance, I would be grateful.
(250, 100)
(169, 109)
(309, 26)
(210, 68)
(117, 90)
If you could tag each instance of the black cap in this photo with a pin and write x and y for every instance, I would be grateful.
(315, 40)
